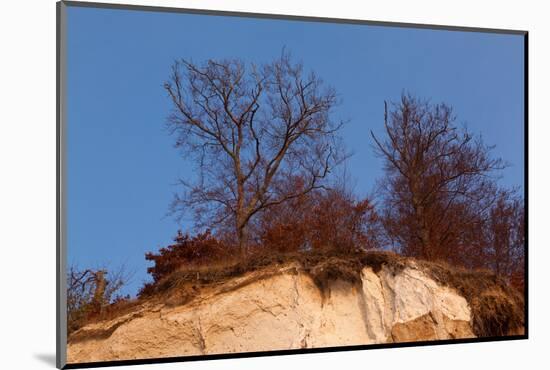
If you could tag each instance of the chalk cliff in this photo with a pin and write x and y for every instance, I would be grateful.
(286, 306)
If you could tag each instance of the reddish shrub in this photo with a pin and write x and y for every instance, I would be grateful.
(200, 249)
(330, 219)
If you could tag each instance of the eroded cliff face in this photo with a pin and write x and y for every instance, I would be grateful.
(282, 307)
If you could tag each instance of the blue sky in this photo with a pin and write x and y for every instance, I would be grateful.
(122, 165)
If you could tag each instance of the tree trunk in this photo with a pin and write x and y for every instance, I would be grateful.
(242, 237)
(100, 285)
(421, 220)
(426, 242)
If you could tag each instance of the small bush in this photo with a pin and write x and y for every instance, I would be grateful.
(200, 250)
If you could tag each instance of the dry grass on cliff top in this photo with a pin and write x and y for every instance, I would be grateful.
(497, 308)
(323, 266)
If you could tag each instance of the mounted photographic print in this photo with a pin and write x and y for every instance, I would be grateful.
(234, 184)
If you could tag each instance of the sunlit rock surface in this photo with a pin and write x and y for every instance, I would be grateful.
(280, 308)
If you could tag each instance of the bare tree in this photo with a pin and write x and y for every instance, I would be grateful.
(439, 182)
(246, 127)
(88, 291)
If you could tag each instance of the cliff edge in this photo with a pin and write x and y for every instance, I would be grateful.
(290, 303)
